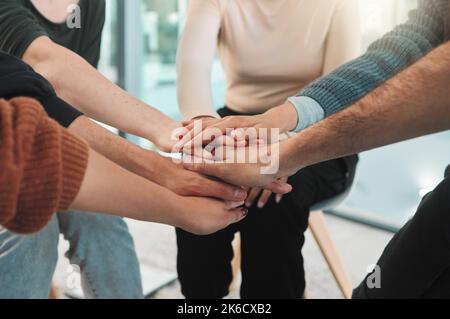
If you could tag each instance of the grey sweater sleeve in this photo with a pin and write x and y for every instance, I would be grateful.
(425, 30)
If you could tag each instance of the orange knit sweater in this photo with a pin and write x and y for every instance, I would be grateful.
(42, 166)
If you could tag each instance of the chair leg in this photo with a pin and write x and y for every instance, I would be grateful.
(317, 224)
(53, 294)
(236, 262)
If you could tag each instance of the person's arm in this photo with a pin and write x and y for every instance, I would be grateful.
(414, 103)
(82, 86)
(18, 79)
(386, 57)
(41, 165)
(75, 80)
(343, 45)
(195, 57)
(108, 188)
(152, 166)
(343, 42)
(45, 169)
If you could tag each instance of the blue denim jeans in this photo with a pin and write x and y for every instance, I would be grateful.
(100, 245)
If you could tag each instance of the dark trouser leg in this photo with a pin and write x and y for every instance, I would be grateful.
(416, 262)
(440, 288)
(204, 264)
(272, 237)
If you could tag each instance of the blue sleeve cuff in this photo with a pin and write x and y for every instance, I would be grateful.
(309, 111)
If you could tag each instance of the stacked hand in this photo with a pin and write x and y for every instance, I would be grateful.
(206, 188)
(203, 204)
(238, 129)
(215, 139)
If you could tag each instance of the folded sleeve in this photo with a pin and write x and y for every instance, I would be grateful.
(42, 166)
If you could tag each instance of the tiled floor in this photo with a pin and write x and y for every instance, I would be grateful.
(359, 245)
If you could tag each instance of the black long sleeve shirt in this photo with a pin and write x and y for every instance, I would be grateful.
(19, 79)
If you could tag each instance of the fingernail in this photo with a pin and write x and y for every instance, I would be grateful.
(248, 205)
(260, 205)
(239, 192)
(244, 212)
(278, 199)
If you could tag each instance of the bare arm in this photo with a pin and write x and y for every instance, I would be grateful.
(108, 188)
(195, 57)
(414, 103)
(86, 89)
(151, 165)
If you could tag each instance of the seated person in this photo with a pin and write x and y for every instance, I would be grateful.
(34, 31)
(398, 90)
(270, 50)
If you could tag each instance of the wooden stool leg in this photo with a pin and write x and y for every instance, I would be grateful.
(53, 294)
(317, 224)
(236, 262)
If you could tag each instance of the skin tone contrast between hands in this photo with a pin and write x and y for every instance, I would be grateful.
(268, 120)
(86, 89)
(385, 116)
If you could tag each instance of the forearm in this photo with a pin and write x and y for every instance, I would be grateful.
(195, 57)
(86, 89)
(194, 90)
(117, 149)
(414, 103)
(385, 58)
(108, 188)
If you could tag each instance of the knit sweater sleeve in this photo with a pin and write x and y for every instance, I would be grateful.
(398, 49)
(41, 166)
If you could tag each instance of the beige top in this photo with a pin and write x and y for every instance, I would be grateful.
(270, 49)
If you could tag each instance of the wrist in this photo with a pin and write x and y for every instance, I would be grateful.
(157, 131)
(166, 207)
(178, 216)
(284, 117)
(145, 164)
(288, 163)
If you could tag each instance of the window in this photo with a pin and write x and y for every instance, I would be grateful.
(163, 21)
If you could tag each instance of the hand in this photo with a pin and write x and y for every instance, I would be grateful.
(171, 175)
(167, 135)
(204, 216)
(283, 117)
(191, 127)
(263, 195)
(251, 166)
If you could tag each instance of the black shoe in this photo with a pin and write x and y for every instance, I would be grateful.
(447, 172)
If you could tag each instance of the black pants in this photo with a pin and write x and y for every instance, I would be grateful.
(416, 262)
(271, 240)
